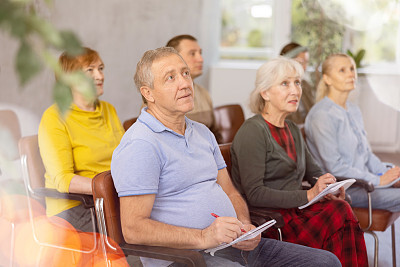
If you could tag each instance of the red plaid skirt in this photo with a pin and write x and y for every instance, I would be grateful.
(329, 225)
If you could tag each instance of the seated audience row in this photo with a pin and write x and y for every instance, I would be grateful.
(270, 161)
(170, 175)
(155, 210)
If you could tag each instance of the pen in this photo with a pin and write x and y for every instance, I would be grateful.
(216, 216)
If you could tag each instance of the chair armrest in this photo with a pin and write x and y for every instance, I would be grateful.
(261, 215)
(388, 164)
(188, 257)
(87, 200)
(368, 186)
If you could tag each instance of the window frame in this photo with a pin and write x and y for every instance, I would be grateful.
(281, 36)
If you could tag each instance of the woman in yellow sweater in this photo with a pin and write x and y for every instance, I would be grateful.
(78, 145)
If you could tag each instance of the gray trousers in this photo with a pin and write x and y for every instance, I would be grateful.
(80, 218)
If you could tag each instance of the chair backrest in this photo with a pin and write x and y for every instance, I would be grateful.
(226, 153)
(228, 119)
(302, 130)
(9, 120)
(29, 147)
(10, 125)
(103, 187)
(128, 123)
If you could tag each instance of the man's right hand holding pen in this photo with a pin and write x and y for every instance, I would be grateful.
(227, 229)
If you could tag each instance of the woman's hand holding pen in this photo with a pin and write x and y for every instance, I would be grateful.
(390, 175)
(322, 183)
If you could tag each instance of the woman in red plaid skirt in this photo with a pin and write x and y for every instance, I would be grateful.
(270, 161)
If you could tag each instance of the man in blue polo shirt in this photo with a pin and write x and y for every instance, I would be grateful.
(170, 176)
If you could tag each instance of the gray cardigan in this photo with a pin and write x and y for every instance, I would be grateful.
(262, 170)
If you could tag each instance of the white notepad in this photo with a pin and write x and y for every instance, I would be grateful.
(330, 189)
(249, 235)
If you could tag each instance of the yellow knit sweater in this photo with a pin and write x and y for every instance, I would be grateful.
(80, 143)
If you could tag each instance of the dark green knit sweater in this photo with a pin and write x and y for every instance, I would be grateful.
(262, 170)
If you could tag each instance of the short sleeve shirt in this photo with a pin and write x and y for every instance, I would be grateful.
(181, 171)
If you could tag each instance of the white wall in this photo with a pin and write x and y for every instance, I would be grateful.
(121, 31)
(379, 101)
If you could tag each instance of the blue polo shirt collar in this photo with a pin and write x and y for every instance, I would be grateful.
(156, 126)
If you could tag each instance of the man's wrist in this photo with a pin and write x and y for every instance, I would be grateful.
(246, 221)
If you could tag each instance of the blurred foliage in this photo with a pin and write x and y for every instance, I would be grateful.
(37, 37)
(358, 57)
(312, 28)
(241, 30)
(255, 38)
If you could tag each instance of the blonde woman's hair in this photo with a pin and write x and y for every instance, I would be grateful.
(269, 74)
(327, 65)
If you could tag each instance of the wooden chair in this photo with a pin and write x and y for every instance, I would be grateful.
(128, 123)
(370, 219)
(228, 119)
(258, 215)
(109, 222)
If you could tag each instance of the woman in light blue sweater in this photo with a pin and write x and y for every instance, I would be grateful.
(336, 137)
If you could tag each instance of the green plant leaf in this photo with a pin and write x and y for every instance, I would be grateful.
(349, 53)
(62, 96)
(28, 64)
(46, 30)
(12, 16)
(7, 11)
(360, 55)
(48, 2)
(81, 83)
(71, 43)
